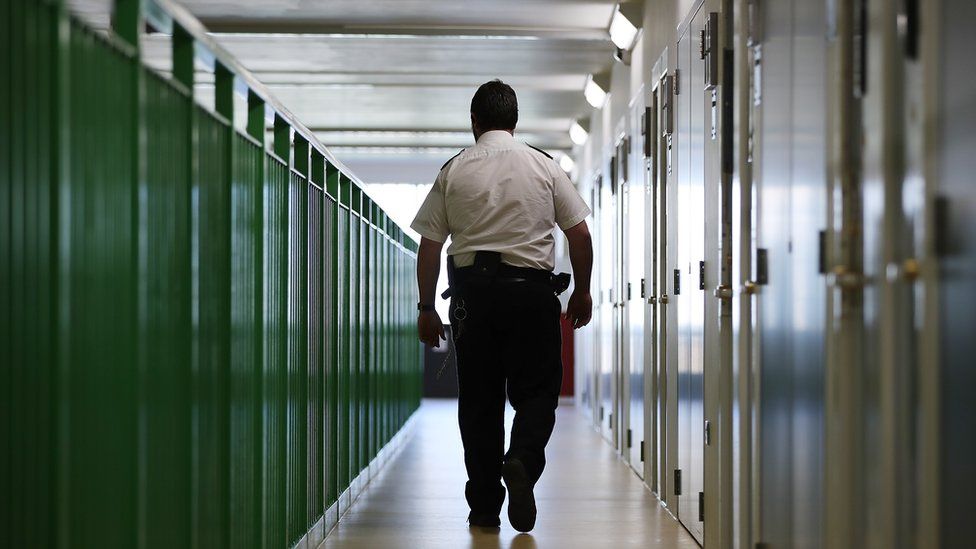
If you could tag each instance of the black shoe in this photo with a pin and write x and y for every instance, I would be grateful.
(521, 500)
(484, 520)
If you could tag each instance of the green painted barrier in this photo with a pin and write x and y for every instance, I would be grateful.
(205, 341)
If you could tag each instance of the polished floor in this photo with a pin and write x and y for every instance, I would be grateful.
(587, 497)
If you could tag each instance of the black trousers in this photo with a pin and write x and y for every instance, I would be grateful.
(508, 341)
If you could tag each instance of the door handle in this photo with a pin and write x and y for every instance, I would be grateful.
(908, 270)
(845, 279)
(663, 300)
(750, 287)
(723, 292)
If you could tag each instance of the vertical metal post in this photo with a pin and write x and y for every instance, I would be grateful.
(281, 145)
(301, 159)
(255, 116)
(127, 20)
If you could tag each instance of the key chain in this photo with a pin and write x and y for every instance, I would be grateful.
(460, 313)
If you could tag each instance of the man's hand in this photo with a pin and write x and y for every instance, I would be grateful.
(580, 309)
(430, 329)
(580, 306)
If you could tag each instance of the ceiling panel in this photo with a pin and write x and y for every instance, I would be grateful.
(577, 16)
(386, 79)
(367, 55)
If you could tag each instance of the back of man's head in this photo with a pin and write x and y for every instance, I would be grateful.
(495, 107)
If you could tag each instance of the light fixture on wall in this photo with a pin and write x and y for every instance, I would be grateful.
(624, 24)
(578, 132)
(596, 88)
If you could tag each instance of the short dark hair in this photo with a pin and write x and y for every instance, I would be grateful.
(495, 106)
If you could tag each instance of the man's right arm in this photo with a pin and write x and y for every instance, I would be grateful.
(580, 307)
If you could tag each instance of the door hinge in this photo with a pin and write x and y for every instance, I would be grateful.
(646, 132)
(701, 506)
(754, 23)
(822, 252)
(667, 104)
(677, 282)
(711, 50)
(643, 288)
(630, 436)
(708, 433)
(611, 420)
(642, 451)
(601, 414)
(701, 275)
(677, 80)
(677, 482)
(628, 291)
(762, 266)
(941, 218)
(910, 9)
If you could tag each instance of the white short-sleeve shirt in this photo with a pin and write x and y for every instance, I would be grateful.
(504, 196)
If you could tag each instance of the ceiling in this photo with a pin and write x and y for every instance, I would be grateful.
(381, 80)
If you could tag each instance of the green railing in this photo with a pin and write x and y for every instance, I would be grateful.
(203, 342)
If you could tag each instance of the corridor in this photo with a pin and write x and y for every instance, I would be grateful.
(209, 297)
(587, 496)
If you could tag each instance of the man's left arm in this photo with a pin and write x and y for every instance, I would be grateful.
(430, 329)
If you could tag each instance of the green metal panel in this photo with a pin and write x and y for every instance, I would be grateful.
(369, 274)
(275, 371)
(315, 406)
(384, 336)
(211, 211)
(333, 349)
(374, 335)
(247, 342)
(344, 298)
(28, 298)
(315, 465)
(11, 529)
(101, 321)
(355, 337)
(164, 317)
(216, 346)
(298, 371)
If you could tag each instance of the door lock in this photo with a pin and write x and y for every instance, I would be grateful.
(910, 269)
(723, 291)
(907, 270)
(845, 279)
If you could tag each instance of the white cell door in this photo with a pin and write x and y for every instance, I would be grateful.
(689, 293)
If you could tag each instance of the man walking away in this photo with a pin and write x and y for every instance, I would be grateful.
(500, 201)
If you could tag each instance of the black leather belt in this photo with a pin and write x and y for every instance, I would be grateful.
(509, 273)
(488, 268)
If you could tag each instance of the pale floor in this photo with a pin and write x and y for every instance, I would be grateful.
(587, 497)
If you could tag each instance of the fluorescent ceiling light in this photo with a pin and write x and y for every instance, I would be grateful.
(566, 163)
(622, 31)
(578, 134)
(595, 95)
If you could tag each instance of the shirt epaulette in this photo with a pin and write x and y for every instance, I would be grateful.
(452, 158)
(549, 156)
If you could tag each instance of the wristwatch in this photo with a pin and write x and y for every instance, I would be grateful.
(424, 307)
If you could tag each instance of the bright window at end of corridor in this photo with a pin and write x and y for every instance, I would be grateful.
(401, 201)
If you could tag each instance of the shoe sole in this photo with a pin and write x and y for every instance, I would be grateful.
(521, 500)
